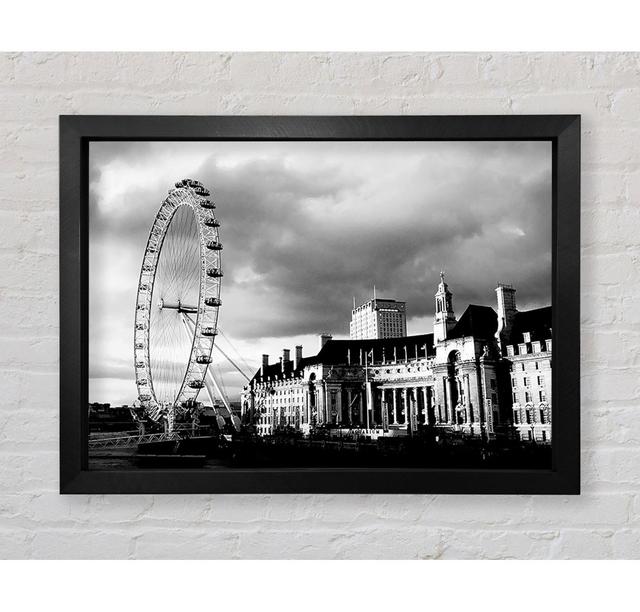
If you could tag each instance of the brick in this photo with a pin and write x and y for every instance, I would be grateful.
(497, 544)
(584, 544)
(614, 465)
(35, 522)
(186, 544)
(626, 544)
(93, 544)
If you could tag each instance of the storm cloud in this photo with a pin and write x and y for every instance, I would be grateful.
(307, 227)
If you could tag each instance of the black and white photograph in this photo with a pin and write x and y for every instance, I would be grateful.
(301, 304)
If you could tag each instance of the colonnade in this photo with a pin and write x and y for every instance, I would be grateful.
(404, 406)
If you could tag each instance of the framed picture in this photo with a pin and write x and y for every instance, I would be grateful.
(319, 304)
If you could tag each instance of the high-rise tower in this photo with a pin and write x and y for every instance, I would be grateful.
(378, 318)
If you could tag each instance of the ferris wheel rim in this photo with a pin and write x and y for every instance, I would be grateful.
(204, 325)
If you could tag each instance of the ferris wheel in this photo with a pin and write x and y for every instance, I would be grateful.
(178, 302)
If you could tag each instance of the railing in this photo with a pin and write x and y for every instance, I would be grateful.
(130, 440)
(102, 435)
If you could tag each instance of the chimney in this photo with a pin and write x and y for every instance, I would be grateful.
(506, 312)
(324, 338)
(298, 357)
(286, 355)
(282, 365)
(265, 363)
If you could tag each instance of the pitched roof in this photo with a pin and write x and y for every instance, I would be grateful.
(275, 371)
(336, 352)
(537, 322)
(339, 352)
(478, 321)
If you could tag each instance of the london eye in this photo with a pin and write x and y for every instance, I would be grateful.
(177, 305)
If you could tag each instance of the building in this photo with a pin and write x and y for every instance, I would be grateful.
(378, 318)
(528, 351)
(483, 375)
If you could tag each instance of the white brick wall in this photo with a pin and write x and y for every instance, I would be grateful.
(36, 522)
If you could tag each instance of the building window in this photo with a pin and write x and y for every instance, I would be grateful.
(544, 436)
(542, 417)
(543, 396)
(536, 349)
(527, 396)
(522, 366)
(515, 397)
(540, 380)
(516, 417)
(525, 381)
(526, 337)
(528, 416)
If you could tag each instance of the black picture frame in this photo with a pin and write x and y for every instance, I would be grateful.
(76, 132)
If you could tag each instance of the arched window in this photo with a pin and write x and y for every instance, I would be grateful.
(543, 414)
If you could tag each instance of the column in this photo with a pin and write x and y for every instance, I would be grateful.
(467, 398)
(407, 408)
(360, 409)
(433, 401)
(445, 398)
(395, 406)
(385, 410)
(452, 399)
(321, 404)
(425, 399)
(305, 407)
(349, 399)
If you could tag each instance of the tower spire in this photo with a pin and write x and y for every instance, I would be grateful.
(444, 319)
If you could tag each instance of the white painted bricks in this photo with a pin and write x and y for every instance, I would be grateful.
(36, 522)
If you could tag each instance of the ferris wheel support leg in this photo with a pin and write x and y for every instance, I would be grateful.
(209, 377)
(189, 329)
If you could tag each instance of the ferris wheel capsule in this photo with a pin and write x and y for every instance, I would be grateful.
(214, 272)
(214, 245)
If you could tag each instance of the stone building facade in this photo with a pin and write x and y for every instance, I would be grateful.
(485, 374)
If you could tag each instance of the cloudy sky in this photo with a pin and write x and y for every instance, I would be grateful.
(308, 226)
